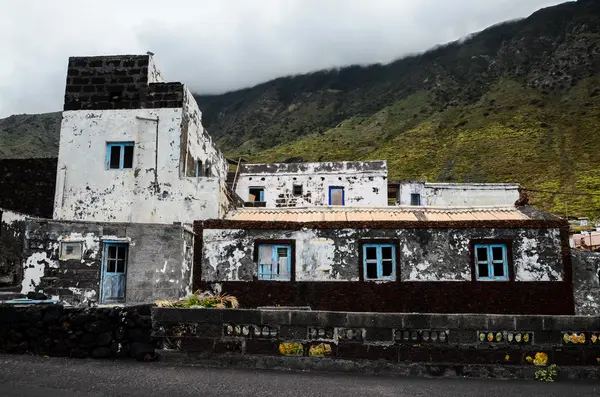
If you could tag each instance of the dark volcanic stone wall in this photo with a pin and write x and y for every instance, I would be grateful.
(440, 339)
(27, 185)
(79, 333)
(117, 82)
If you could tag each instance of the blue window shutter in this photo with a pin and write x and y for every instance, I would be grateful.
(379, 261)
(121, 159)
(489, 262)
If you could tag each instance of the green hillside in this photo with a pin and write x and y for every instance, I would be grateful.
(518, 102)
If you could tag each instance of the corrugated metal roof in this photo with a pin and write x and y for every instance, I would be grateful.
(428, 214)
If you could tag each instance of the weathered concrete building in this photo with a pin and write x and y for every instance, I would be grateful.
(106, 262)
(133, 148)
(135, 166)
(355, 184)
(482, 260)
(430, 194)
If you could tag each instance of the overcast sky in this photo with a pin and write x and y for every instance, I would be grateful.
(221, 45)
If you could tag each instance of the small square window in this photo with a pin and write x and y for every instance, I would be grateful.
(119, 155)
(256, 194)
(415, 199)
(379, 262)
(71, 250)
(297, 190)
(116, 258)
(491, 262)
(274, 262)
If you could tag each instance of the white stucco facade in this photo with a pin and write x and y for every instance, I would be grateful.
(364, 183)
(155, 189)
(459, 194)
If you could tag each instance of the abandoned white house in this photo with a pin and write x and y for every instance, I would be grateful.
(137, 169)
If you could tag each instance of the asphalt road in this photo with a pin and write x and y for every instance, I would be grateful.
(49, 377)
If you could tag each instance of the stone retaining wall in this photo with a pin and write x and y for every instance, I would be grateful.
(54, 330)
(445, 339)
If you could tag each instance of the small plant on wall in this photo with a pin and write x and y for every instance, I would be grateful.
(202, 300)
(547, 374)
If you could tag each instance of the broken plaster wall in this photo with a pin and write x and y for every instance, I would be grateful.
(12, 230)
(158, 266)
(365, 183)
(425, 254)
(150, 192)
(470, 194)
(200, 149)
(459, 194)
(586, 282)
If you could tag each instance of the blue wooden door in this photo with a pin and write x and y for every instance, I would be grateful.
(114, 272)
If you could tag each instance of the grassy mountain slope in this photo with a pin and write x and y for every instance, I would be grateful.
(29, 136)
(517, 102)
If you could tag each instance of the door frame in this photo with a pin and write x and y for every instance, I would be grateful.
(105, 245)
(342, 188)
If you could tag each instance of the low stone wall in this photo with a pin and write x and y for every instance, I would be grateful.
(54, 330)
(456, 341)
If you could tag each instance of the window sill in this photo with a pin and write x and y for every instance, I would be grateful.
(379, 280)
(492, 279)
(274, 280)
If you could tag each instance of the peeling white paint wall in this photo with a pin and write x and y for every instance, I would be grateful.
(425, 255)
(364, 186)
(86, 190)
(154, 75)
(531, 265)
(33, 270)
(460, 194)
(10, 217)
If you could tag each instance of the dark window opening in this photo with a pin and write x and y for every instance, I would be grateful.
(415, 199)
(128, 157)
(371, 270)
(297, 190)
(392, 194)
(387, 268)
(482, 254)
(256, 194)
(491, 261)
(386, 253)
(371, 253)
(115, 157)
(483, 270)
(116, 258)
(119, 155)
(379, 261)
